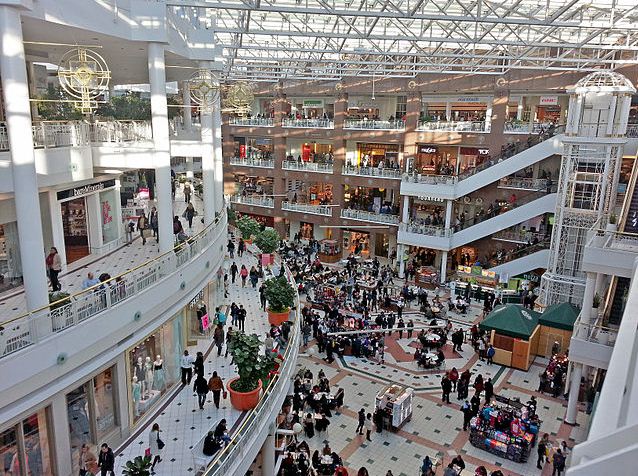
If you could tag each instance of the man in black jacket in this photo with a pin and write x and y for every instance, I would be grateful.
(106, 460)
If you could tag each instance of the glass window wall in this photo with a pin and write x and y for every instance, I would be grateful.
(27, 445)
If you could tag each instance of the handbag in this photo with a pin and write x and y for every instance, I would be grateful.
(160, 443)
(147, 452)
(225, 394)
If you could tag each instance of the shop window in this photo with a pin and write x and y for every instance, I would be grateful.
(104, 403)
(77, 405)
(35, 440)
(9, 455)
(503, 342)
(402, 107)
(10, 262)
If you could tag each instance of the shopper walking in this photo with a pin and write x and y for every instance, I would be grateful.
(369, 426)
(466, 408)
(446, 386)
(233, 272)
(189, 214)
(142, 224)
(88, 461)
(241, 247)
(106, 461)
(200, 387)
(186, 364)
(244, 274)
(241, 317)
(187, 192)
(216, 385)
(54, 266)
(154, 220)
(362, 421)
(489, 390)
(262, 297)
(490, 354)
(218, 338)
(231, 249)
(558, 463)
(155, 445)
(541, 450)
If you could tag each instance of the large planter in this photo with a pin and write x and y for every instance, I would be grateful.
(243, 401)
(277, 318)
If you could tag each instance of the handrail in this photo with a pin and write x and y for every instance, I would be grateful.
(258, 200)
(372, 172)
(301, 123)
(277, 384)
(454, 126)
(251, 121)
(324, 210)
(520, 253)
(374, 124)
(429, 230)
(253, 162)
(309, 166)
(363, 215)
(77, 307)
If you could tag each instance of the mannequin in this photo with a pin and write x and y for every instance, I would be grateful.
(136, 392)
(201, 312)
(148, 366)
(158, 373)
(140, 373)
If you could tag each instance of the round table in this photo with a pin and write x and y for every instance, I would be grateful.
(432, 338)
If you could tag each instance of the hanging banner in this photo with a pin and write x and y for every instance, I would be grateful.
(205, 322)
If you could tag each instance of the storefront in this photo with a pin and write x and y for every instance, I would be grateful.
(251, 184)
(261, 219)
(548, 110)
(312, 108)
(457, 109)
(28, 444)
(153, 366)
(91, 413)
(370, 154)
(357, 242)
(471, 157)
(253, 147)
(318, 152)
(88, 218)
(306, 230)
(434, 160)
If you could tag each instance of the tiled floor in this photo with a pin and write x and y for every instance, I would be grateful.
(183, 424)
(117, 262)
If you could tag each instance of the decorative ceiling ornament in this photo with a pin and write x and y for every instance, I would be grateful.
(239, 98)
(412, 85)
(203, 86)
(338, 86)
(84, 75)
(500, 82)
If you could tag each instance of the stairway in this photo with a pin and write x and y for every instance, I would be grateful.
(619, 301)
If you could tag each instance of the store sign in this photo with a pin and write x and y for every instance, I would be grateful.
(548, 101)
(486, 273)
(85, 190)
(431, 199)
(428, 149)
(484, 151)
(531, 277)
(464, 269)
(468, 99)
(311, 103)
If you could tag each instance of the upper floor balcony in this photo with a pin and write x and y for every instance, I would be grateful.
(610, 252)
(253, 162)
(520, 127)
(53, 134)
(320, 167)
(374, 124)
(363, 215)
(372, 172)
(253, 200)
(251, 121)
(480, 127)
(592, 342)
(308, 123)
(121, 131)
(324, 210)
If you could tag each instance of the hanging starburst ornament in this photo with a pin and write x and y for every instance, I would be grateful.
(203, 87)
(84, 75)
(239, 98)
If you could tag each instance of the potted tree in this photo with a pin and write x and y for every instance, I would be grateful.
(248, 227)
(596, 301)
(140, 466)
(612, 224)
(268, 242)
(281, 297)
(252, 367)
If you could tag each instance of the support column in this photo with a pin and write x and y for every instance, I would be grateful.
(588, 299)
(574, 388)
(448, 213)
(161, 143)
(443, 266)
(448, 110)
(268, 456)
(186, 110)
(406, 209)
(519, 109)
(25, 184)
(189, 168)
(401, 251)
(208, 165)
(94, 215)
(117, 209)
(60, 428)
(488, 115)
(218, 155)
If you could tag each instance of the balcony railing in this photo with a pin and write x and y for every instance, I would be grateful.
(525, 127)
(520, 253)
(307, 166)
(522, 183)
(454, 126)
(632, 131)
(269, 404)
(517, 236)
(307, 208)
(121, 131)
(370, 216)
(251, 121)
(309, 123)
(49, 135)
(430, 179)
(255, 200)
(372, 172)
(248, 162)
(428, 230)
(37, 325)
(595, 332)
(363, 124)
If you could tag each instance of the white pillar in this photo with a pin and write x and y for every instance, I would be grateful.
(268, 456)
(519, 109)
(161, 142)
(574, 388)
(219, 160)
(448, 110)
(406, 209)
(117, 209)
(94, 215)
(488, 115)
(57, 227)
(448, 213)
(612, 115)
(601, 283)
(25, 184)
(588, 299)
(60, 428)
(208, 165)
(443, 266)
(401, 249)
(189, 168)
(186, 110)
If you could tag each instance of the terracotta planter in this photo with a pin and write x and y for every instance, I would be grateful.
(243, 401)
(277, 318)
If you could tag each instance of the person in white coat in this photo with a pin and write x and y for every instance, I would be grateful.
(155, 444)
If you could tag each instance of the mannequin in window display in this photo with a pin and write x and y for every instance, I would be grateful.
(148, 365)
(201, 312)
(140, 373)
(136, 393)
(158, 374)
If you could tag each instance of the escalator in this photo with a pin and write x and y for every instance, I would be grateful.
(619, 301)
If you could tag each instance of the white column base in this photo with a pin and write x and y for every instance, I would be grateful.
(574, 388)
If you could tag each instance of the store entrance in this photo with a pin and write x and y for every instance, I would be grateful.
(76, 236)
(356, 242)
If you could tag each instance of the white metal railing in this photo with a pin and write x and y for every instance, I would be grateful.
(250, 162)
(372, 172)
(430, 179)
(307, 166)
(595, 332)
(316, 123)
(4, 138)
(454, 126)
(121, 131)
(429, 230)
(632, 131)
(257, 200)
(520, 236)
(526, 127)
(49, 135)
(522, 183)
(307, 208)
(39, 324)
(370, 216)
(251, 121)
(269, 405)
(373, 124)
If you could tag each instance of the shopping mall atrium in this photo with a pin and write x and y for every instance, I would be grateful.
(318, 237)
